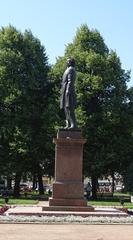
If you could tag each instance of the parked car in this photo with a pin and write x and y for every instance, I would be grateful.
(24, 187)
(104, 186)
(119, 188)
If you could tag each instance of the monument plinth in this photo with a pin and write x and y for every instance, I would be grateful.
(68, 188)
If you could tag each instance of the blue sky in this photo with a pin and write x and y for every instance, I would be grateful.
(55, 23)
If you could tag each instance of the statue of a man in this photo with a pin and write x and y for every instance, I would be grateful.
(68, 96)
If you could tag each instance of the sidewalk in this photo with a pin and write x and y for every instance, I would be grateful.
(65, 232)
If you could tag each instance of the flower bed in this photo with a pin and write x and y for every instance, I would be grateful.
(3, 209)
(67, 219)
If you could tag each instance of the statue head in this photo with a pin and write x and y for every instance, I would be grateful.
(70, 62)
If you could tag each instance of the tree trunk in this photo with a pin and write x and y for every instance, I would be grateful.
(94, 181)
(9, 183)
(113, 182)
(40, 182)
(34, 186)
(17, 185)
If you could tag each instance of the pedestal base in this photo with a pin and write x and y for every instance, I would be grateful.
(68, 208)
(67, 202)
(68, 190)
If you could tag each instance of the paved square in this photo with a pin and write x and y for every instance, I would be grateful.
(64, 232)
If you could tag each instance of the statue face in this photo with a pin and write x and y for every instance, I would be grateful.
(70, 62)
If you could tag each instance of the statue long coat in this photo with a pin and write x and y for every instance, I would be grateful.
(68, 96)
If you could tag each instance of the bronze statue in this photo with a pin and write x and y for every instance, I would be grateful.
(68, 96)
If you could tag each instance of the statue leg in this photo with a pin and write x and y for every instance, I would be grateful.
(72, 119)
(67, 114)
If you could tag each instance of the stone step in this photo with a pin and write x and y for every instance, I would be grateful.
(37, 211)
(68, 208)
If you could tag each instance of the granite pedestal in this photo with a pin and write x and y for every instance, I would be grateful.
(68, 189)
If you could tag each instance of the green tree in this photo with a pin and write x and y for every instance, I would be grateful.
(102, 97)
(128, 178)
(127, 166)
(26, 106)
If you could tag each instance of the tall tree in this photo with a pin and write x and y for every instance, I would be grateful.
(102, 96)
(25, 102)
(127, 165)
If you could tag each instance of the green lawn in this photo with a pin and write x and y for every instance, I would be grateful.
(18, 201)
(109, 203)
(119, 194)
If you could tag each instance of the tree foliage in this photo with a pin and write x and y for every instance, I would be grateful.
(25, 92)
(102, 96)
(29, 104)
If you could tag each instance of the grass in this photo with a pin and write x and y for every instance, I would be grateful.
(121, 194)
(110, 203)
(14, 201)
